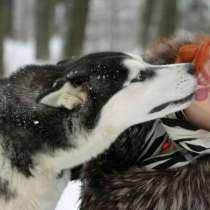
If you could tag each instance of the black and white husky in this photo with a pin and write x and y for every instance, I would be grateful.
(55, 117)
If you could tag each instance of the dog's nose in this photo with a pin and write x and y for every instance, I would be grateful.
(191, 69)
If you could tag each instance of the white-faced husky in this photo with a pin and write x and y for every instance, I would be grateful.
(55, 117)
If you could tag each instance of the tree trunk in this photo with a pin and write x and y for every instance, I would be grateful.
(76, 18)
(146, 21)
(5, 28)
(2, 68)
(44, 23)
(168, 19)
(8, 9)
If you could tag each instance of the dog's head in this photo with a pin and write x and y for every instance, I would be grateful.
(121, 89)
(42, 108)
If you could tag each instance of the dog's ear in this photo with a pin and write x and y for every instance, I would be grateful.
(63, 94)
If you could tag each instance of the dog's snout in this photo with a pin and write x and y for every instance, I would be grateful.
(191, 69)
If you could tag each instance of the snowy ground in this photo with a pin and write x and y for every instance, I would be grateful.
(23, 53)
(18, 54)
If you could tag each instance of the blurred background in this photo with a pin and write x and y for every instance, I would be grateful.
(40, 31)
(45, 31)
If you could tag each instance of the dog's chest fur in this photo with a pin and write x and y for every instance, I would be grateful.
(39, 192)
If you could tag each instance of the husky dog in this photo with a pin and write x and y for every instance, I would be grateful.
(116, 180)
(55, 117)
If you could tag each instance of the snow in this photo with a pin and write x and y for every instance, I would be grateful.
(70, 197)
(36, 122)
(23, 53)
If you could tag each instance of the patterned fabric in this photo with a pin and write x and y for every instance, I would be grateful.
(173, 143)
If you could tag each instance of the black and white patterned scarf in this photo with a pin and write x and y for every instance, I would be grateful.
(172, 143)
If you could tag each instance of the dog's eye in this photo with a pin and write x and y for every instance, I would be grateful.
(144, 75)
(141, 76)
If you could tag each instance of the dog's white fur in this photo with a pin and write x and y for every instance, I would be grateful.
(129, 106)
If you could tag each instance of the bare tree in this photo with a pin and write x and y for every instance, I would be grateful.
(158, 19)
(168, 18)
(5, 28)
(146, 21)
(43, 27)
(76, 18)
